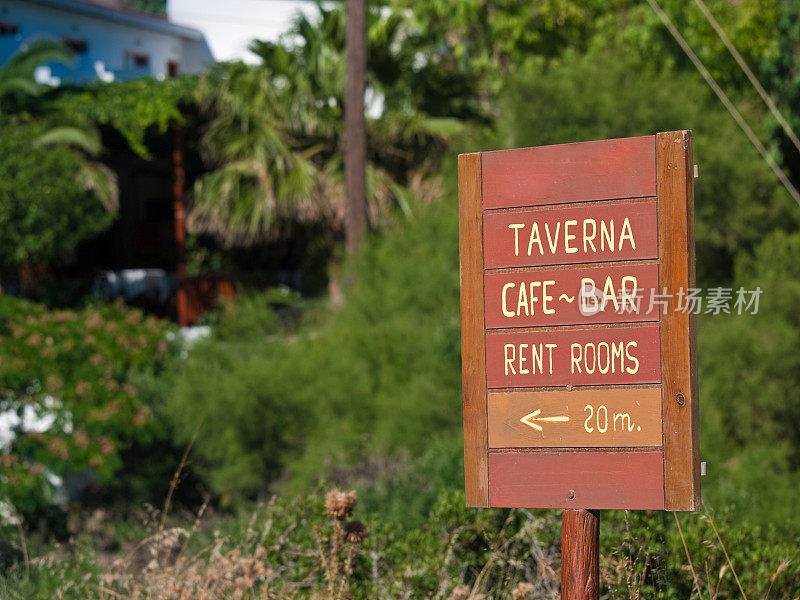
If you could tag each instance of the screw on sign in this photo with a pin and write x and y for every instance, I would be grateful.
(578, 395)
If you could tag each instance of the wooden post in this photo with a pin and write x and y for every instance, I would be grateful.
(355, 127)
(179, 209)
(580, 555)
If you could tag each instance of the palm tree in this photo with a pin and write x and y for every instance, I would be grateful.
(275, 135)
(261, 173)
(18, 87)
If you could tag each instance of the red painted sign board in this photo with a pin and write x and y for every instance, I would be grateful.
(570, 296)
(544, 236)
(579, 373)
(607, 356)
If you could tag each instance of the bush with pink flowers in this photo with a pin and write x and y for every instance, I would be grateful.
(67, 401)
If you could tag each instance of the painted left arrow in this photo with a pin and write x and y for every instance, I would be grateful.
(534, 416)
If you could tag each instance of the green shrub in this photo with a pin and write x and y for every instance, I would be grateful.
(66, 375)
(737, 198)
(378, 375)
(294, 546)
(643, 556)
(43, 208)
(750, 388)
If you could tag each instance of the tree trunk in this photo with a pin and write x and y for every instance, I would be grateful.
(355, 128)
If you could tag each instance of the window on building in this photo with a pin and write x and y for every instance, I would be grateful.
(172, 69)
(137, 59)
(8, 28)
(78, 46)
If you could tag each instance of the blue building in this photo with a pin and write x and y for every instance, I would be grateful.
(110, 40)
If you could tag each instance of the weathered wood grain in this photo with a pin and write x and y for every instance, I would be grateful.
(580, 172)
(577, 479)
(678, 329)
(598, 417)
(510, 237)
(580, 555)
(472, 330)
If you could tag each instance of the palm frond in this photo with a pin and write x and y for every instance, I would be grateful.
(98, 178)
(86, 138)
(17, 74)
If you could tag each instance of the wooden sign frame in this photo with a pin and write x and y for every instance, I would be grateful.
(609, 175)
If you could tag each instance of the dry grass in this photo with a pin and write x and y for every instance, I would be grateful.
(318, 560)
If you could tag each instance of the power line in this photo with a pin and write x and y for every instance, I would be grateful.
(725, 100)
(747, 71)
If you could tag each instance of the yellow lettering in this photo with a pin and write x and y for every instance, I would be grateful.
(625, 421)
(630, 357)
(575, 361)
(550, 354)
(537, 357)
(608, 293)
(535, 238)
(522, 371)
(534, 299)
(522, 301)
(546, 297)
(625, 296)
(600, 368)
(589, 302)
(516, 227)
(589, 239)
(507, 312)
(586, 426)
(616, 353)
(604, 428)
(586, 357)
(552, 241)
(568, 236)
(509, 361)
(626, 226)
(606, 235)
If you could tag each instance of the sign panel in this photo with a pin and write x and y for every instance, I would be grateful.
(566, 296)
(580, 418)
(579, 372)
(613, 355)
(544, 236)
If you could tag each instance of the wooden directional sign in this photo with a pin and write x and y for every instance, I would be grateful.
(579, 368)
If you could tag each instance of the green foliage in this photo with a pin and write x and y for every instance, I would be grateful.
(379, 376)
(17, 84)
(156, 7)
(635, 27)
(72, 371)
(48, 199)
(737, 198)
(493, 39)
(229, 396)
(750, 387)
(45, 210)
(296, 544)
(131, 107)
(644, 556)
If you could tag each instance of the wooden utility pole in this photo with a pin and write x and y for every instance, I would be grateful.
(580, 555)
(355, 128)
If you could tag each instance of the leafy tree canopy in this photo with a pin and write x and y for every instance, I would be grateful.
(131, 107)
(157, 7)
